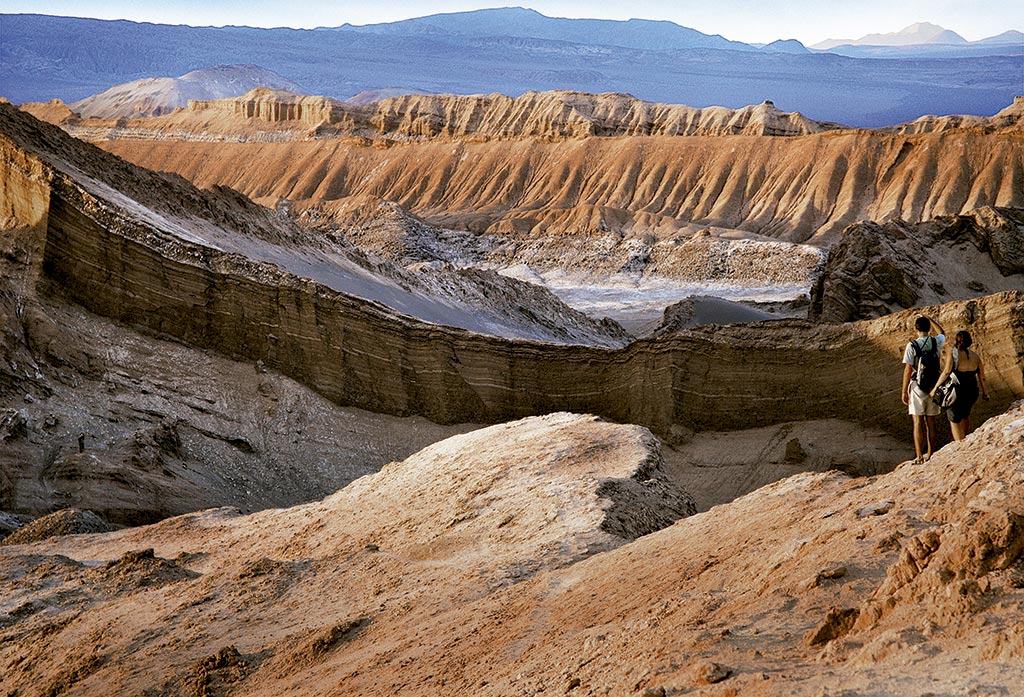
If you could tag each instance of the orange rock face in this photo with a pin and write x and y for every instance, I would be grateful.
(797, 189)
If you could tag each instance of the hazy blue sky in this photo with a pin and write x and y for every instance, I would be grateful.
(810, 21)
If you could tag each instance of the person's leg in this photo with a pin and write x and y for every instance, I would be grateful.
(920, 437)
(930, 425)
(957, 429)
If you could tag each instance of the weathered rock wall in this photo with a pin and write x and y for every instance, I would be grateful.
(24, 205)
(877, 269)
(274, 107)
(108, 258)
(361, 354)
(564, 114)
(797, 189)
(547, 115)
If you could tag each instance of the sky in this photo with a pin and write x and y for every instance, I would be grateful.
(754, 21)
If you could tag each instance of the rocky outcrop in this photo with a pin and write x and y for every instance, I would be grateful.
(475, 514)
(1010, 119)
(698, 310)
(876, 269)
(54, 111)
(795, 189)
(510, 543)
(275, 106)
(69, 521)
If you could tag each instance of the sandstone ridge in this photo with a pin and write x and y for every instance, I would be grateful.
(554, 115)
(805, 189)
(876, 269)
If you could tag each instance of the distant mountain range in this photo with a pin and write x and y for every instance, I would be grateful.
(920, 33)
(520, 22)
(515, 50)
(923, 40)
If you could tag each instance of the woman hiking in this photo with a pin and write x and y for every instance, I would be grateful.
(970, 371)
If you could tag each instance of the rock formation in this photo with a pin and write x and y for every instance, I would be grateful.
(55, 111)
(274, 106)
(797, 189)
(233, 227)
(876, 269)
(507, 561)
(1010, 119)
(700, 310)
(554, 115)
(68, 521)
(165, 348)
(394, 234)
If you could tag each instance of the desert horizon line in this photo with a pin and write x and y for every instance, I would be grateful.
(810, 43)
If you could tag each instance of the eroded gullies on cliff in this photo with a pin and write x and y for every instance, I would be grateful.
(634, 180)
(595, 199)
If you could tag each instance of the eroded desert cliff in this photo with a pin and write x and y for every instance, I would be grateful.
(797, 189)
(378, 435)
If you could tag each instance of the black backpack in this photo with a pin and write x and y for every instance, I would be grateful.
(926, 364)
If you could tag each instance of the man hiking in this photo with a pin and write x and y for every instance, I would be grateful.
(920, 373)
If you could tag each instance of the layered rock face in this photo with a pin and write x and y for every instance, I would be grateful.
(510, 560)
(876, 269)
(795, 189)
(274, 106)
(555, 115)
(98, 416)
(136, 428)
(561, 114)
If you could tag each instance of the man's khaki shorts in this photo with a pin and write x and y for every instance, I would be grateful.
(921, 403)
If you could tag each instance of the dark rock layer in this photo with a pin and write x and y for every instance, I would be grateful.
(877, 268)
